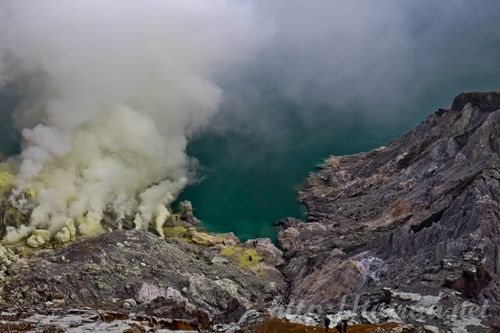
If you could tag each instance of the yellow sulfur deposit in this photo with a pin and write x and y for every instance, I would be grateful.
(174, 218)
(176, 231)
(89, 225)
(204, 239)
(38, 238)
(6, 180)
(67, 232)
(30, 193)
(247, 258)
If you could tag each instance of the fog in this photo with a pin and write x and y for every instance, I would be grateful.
(110, 93)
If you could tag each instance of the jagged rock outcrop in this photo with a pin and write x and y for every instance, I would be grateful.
(421, 215)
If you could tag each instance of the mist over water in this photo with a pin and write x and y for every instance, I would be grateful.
(111, 91)
(337, 77)
(328, 77)
(9, 136)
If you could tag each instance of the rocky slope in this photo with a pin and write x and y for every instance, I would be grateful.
(414, 224)
(183, 277)
(136, 271)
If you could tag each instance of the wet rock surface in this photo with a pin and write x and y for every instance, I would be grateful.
(421, 216)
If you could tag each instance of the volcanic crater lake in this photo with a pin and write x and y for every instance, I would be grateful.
(249, 178)
(249, 172)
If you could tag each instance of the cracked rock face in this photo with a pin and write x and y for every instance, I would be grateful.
(421, 215)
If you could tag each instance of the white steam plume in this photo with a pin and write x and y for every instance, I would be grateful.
(113, 90)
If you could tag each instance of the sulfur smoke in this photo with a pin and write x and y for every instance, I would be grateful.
(112, 91)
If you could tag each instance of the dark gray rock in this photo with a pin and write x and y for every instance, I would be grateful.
(270, 253)
(186, 213)
(421, 215)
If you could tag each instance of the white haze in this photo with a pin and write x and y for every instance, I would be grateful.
(373, 54)
(113, 89)
(369, 51)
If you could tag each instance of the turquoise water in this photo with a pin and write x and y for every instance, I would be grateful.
(250, 175)
(251, 168)
(270, 133)
(263, 143)
(9, 136)
(266, 140)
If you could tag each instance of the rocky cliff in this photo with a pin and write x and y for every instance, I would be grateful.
(416, 223)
